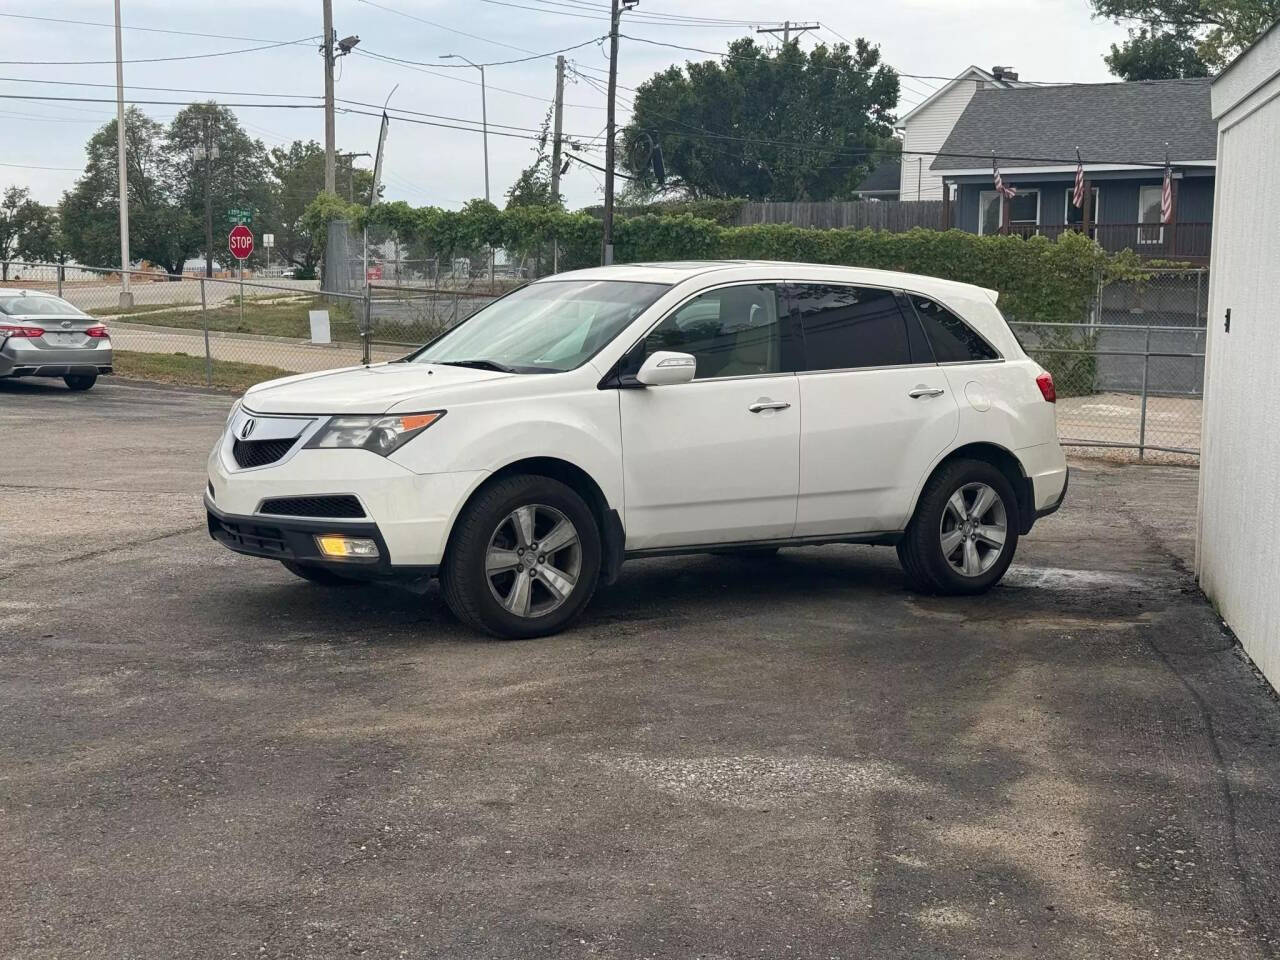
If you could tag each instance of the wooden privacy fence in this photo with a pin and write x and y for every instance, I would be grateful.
(896, 216)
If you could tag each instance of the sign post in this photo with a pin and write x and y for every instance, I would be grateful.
(268, 241)
(240, 243)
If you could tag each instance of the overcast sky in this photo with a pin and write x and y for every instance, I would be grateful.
(1045, 40)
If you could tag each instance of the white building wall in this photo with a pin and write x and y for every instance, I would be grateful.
(1238, 541)
(927, 130)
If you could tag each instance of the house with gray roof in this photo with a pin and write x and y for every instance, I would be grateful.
(1123, 132)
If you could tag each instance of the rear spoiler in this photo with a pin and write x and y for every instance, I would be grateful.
(993, 294)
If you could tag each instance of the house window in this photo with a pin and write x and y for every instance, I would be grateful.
(1149, 213)
(1024, 212)
(1073, 215)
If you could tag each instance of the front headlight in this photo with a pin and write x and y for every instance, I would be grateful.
(381, 435)
(234, 407)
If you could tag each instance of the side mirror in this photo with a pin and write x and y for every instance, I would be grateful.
(667, 367)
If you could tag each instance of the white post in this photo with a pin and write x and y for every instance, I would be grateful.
(126, 297)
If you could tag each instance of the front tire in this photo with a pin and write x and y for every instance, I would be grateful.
(524, 558)
(321, 576)
(964, 533)
(80, 381)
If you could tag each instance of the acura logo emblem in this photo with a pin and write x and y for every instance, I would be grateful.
(247, 429)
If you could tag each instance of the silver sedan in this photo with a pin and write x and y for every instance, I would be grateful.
(44, 336)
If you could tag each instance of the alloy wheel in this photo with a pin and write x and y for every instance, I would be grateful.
(533, 561)
(974, 526)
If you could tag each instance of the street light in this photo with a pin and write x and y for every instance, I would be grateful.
(484, 117)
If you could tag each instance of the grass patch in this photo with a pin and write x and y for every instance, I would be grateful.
(136, 308)
(270, 319)
(188, 371)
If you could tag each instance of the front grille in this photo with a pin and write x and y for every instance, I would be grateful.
(258, 453)
(249, 535)
(335, 506)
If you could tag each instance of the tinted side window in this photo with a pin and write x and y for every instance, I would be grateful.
(849, 326)
(953, 340)
(732, 332)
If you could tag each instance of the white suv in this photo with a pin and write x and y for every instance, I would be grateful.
(649, 409)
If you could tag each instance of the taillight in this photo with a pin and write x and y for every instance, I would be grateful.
(31, 333)
(98, 332)
(1047, 389)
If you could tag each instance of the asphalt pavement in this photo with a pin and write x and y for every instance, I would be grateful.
(202, 756)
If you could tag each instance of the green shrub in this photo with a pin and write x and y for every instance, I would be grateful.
(1038, 280)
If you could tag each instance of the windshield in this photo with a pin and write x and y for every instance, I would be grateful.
(37, 307)
(546, 327)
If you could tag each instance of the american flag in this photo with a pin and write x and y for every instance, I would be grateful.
(1077, 198)
(1002, 188)
(1166, 193)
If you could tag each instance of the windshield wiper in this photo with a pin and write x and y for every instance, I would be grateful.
(478, 365)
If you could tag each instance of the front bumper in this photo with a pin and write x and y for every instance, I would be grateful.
(412, 512)
(290, 538)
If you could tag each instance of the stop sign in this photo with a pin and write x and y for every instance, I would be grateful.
(240, 242)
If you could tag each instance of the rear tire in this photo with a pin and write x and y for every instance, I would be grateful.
(964, 532)
(496, 576)
(321, 576)
(80, 381)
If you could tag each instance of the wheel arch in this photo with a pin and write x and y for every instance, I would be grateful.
(608, 521)
(1004, 460)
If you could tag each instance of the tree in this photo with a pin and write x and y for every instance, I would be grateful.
(1151, 54)
(1183, 38)
(238, 178)
(20, 219)
(778, 124)
(533, 187)
(161, 228)
(297, 180)
(43, 240)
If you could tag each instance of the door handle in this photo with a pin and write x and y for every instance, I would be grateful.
(919, 392)
(760, 405)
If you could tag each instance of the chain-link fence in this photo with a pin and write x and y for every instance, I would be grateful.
(1129, 375)
(220, 330)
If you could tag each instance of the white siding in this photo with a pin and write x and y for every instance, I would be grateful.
(1238, 544)
(927, 130)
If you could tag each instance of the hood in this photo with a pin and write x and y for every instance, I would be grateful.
(373, 389)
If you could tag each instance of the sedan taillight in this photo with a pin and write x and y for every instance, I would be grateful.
(1047, 389)
(98, 332)
(12, 330)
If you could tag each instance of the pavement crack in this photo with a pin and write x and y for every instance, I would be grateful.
(93, 554)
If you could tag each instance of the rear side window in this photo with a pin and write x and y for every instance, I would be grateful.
(953, 340)
(846, 326)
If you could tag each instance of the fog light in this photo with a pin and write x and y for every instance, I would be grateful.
(337, 547)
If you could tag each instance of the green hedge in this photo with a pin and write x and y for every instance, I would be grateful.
(1038, 279)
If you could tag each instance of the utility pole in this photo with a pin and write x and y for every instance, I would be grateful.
(330, 137)
(615, 15)
(351, 170)
(555, 140)
(786, 28)
(208, 152)
(126, 297)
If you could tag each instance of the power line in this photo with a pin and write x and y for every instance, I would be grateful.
(191, 56)
(135, 86)
(181, 33)
(32, 166)
(495, 63)
(474, 83)
(441, 26)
